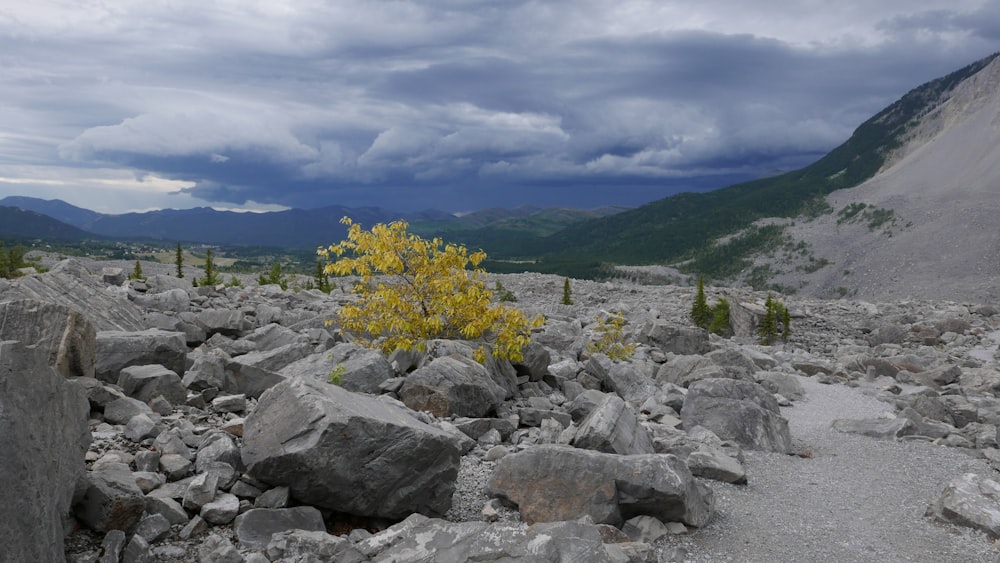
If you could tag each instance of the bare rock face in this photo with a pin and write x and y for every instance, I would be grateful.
(613, 427)
(67, 336)
(741, 411)
(552, 483)
(43, 437)
(349, 452)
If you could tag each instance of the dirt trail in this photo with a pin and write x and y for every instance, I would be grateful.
(856, 499)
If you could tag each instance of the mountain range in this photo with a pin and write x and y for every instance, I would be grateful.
(906, 207)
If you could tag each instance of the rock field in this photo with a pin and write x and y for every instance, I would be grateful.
(155, 421)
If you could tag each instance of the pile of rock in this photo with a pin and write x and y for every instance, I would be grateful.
(216, 435)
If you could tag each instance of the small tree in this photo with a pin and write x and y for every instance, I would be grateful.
(567, 298)
(701, 313)
(503, 294)
(321, 278)
(179, 261)
(611, 337)
(211, 276)
(6, 269)
(775, 312)
(413, 290)
(720, 318)
(137, 272)
(273, 277)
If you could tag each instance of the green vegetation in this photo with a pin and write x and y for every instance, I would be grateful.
(714, 319)
(337, 375)
(321, 280)
(14, 259)
(137, 272)
(413, 290)
(179, 261)
(776, 322)
(611, 338)
(273, 277)
(211, 275)
(567, 296)
(503, 294)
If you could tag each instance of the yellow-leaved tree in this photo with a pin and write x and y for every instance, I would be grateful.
(413, 290)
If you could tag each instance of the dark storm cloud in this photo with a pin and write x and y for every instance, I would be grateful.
(454, 105)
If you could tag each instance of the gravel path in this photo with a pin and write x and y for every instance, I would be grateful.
(857, 498)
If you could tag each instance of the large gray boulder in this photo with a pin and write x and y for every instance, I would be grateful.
(675, 339)
(741, 411)
(630, 383)
(43, 437)
(145, 382)
(360, 369)
(551, 483)
(112, 500)
(349, 452)
(452, 385)
(120, 349)
(226, 322)
(970, 500)
(254, 528)
(66, 336)
(70, 284)
(613, 427)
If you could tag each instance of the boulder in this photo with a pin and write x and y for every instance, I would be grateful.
(349, 452)
(361, 369)
(226, 322)
(784, 384)
(43, 437)
(117, 350)
(551, 483)
(734, 363)
(248, 379)
(675, 339)
(881, 428)
(741, 411)
(452, 385)
(255, 527)
(682, 370)
(629, 383)
(535, 363)
(173, 300)
(145, 382)
(276, 358)
(208, 370)
(972, 501)
(65, 336)
(111, 500)
(613, 427)
(300, 545)
(70, 284)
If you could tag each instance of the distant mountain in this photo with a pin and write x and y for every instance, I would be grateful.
(302, 228)
(686, 227)
(17, 223)
(54, 208)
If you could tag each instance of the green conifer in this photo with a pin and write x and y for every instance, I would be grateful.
(701, 313)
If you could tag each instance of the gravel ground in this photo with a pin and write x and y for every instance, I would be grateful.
(856, 499)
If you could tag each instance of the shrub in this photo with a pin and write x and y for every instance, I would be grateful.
(503, 294)
(321, 280)
(413, 289)
(611, 338)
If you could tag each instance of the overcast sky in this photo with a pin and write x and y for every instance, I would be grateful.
(121, 105)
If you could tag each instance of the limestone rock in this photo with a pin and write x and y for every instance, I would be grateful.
(741, 411)
(970, 500)
(255, 527)
(117, 350)
(675, 339)
(65, 336)
(145, 382)
(551, 483)
(43, 437)
(452, 385)
(613, 427)
(112, 500)
(349, 452)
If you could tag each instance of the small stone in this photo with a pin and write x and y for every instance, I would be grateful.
(496, 452)
(153, 528)
(112, 546)
(148, 481)
(218, 549)
(230, 403)
(201, 491)
(137, 551)
(175, 466)
(196, 527)
(222, 510)
(146, 460)
(274, 498)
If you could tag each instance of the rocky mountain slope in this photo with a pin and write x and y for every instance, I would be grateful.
(926, 225)
(201, 425)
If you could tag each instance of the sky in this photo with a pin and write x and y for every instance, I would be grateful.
(457, 105)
